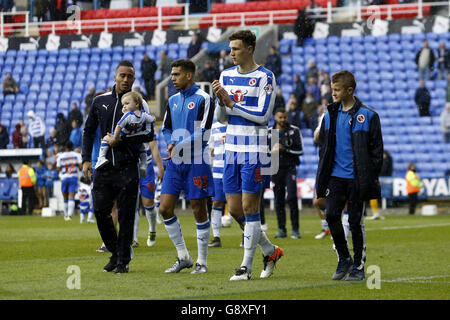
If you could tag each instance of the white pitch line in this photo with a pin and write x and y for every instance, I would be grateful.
(420, 279)
(410, 227)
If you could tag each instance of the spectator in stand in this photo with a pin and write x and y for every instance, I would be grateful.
(76, 134)
(88, 100)
(4, 137)
(313, 87)
(445, 122)
(325, 80)
(413, 186)
(210, 73)
(17, 140)
(321, 109)
(279, 100)
(41, 8)
(24, 132)
(75, 114)
(10, 85)
(425, 61)
(37, 129)
(309, 107)
(443, 61)
(148, 68)
(51, 175)
(52, 140)
(293, 112)
(194, 46)
(225, 61)
(303, 27)
(50, 156)
(165, 66)
(63, 129)
(387, 167)
(273, 62)
(326, 94)
(423, 100)
(299, 91)
(313, 71)
(9, 170)
(41, 191)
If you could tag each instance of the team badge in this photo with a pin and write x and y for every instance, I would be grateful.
(269, 89)
(238, 95)
(252, 82)
(360, 118)
(191, 105)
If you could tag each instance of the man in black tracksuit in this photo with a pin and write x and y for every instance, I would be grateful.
(118, 180)
(289, 148)
(350, 160)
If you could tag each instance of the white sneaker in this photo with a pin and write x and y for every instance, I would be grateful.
(241, 274)
(323, 234)
(151, 239)
(67, 218)
(264, 227)
(200, 268)
(91, 221)
(376, 216)
(101, 162)
(270, 261)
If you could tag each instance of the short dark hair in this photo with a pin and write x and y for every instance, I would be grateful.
(185, 64)
(279, 109)
(247, 37)
(69, 145)
(346, 77)
(125, 63)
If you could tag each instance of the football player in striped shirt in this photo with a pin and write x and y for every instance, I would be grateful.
(245, 101)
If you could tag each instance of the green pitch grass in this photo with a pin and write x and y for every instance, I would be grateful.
(411, 252)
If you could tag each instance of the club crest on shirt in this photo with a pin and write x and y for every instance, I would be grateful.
(360, 118)
(191, 105)
(269, 89)
(239, 94)
(252, 82)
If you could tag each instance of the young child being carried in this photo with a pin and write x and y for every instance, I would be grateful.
(135, 121)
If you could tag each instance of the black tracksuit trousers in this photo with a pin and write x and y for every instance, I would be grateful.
(339, 192)
(286, 178)
(121, 184)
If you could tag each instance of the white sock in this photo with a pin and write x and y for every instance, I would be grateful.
(266, 246)
(150, 213)
(325, 225)
(173, 228)
(65, 208)
(203, 232)
(252, 233)
(90, 215)
(82, 217)
(136, 225)
(71, 207)
(104, 146)
(216, 221)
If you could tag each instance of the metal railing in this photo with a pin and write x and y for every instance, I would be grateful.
(328, 14)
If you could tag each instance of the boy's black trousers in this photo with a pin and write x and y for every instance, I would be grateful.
(339, 192)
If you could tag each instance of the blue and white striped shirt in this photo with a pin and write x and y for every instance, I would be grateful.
(247, 121)
(217, 143)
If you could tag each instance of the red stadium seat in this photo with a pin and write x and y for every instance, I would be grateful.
(146, 24)
(256, 19)
(222, 20)
(7, 30)
(92, 27)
